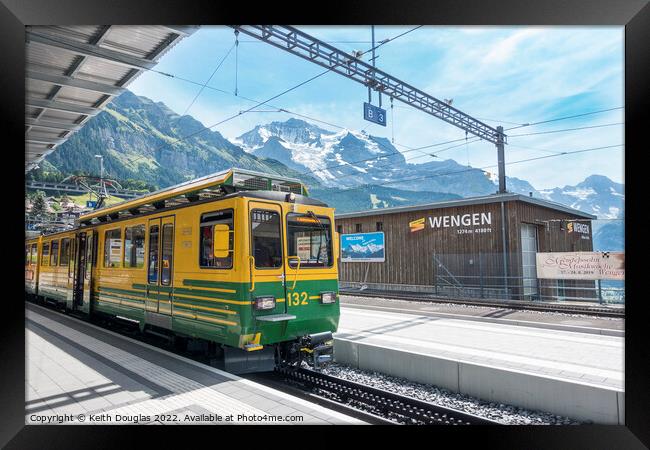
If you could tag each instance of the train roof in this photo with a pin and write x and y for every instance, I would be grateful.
(215, 185)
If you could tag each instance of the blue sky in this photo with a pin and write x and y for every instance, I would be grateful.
(503, 75)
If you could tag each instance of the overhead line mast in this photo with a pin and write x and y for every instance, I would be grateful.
(301, 44)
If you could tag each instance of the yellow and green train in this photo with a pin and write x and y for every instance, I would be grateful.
(244, 261)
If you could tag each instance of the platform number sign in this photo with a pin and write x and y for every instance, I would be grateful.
(374, 114)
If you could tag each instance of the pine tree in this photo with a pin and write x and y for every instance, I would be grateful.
(39, 207)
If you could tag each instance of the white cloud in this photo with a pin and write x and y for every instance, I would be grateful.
(514, 74)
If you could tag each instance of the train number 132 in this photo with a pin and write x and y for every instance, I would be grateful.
(297, 298)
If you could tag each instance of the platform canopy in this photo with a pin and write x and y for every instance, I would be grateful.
(210, 186)
(73, 72)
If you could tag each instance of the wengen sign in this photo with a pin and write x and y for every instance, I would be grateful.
(581, 265)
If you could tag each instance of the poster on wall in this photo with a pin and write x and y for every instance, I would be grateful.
(581, 265)
(363, 247)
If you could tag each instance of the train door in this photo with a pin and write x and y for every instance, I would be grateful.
(266, 260)
(160, 266)
(68, 252)
(84, 254)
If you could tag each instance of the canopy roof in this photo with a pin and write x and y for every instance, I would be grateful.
(73, 72)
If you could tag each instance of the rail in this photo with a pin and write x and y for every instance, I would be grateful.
(398, 408)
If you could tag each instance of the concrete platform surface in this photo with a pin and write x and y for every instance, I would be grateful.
(555, 320)
(575, 374)
(79, 373)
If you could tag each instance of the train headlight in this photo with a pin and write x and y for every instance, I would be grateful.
(328, 297)
(263, 303)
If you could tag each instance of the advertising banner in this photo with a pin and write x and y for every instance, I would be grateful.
(581, 265)
(363, 247)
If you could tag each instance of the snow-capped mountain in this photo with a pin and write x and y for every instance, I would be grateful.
(347, 158)
(596, 195)
(342, 158)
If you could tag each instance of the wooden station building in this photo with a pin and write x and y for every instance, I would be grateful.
(472, 247)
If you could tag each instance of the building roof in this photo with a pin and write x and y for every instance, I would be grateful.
(73, 72)
(494, 198)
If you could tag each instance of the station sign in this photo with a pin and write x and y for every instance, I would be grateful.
(363, 247)
(374, 114)
(471, 223)
(581, 265)
(579, 229)
(91, 204)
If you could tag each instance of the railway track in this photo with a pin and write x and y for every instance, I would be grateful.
(373, 405)
(512, 304)
(378, 402)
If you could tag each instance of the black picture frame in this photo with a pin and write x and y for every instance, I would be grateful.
(633, 14)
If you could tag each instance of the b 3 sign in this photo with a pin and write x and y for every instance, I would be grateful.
(368, 247)
(374, 114)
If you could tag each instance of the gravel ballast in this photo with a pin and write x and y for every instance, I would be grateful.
(505, 414)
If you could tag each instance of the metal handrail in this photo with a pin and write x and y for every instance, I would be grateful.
(295, 278)
(251, 263)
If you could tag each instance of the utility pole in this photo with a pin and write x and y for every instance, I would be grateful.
(501, 161)
(103, 193)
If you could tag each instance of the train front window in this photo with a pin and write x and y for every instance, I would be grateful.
(310, 238)
(267, 241)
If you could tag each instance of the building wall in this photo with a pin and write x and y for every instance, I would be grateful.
(445, 255)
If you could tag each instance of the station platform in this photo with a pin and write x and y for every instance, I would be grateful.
(78, 373)
(491, 314)
(569, 373)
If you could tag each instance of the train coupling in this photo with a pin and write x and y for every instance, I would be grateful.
(319, 348)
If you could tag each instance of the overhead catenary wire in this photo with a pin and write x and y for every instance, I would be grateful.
(266, 101)
(483, 169)
(565, 118)
(208, 80)
(566, 129)
(321, 121)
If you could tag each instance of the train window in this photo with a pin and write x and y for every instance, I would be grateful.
(28, 259)
(90, 252)
(54, 253)
(113, 248)
(34, 254)
(267, 242)
(45, 258)
(309, 238)
(152, 275)
(134, 247)
(208, 221)
(65, 252)
(167, 254)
